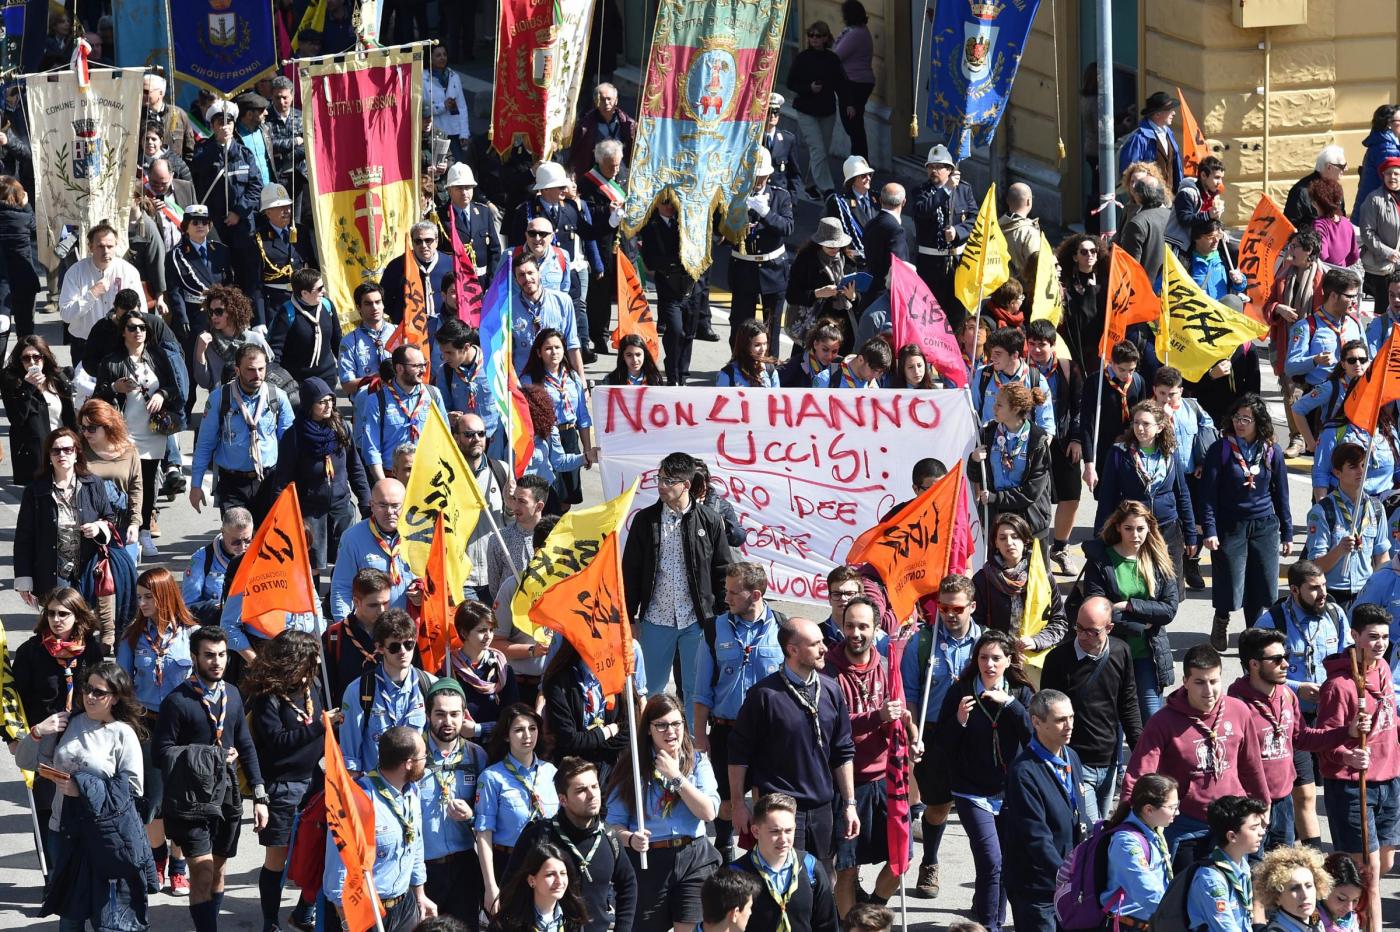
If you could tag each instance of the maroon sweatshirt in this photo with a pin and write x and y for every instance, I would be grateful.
(1337, 706)
(1282, 730)
(1209, 754)
(865, 689)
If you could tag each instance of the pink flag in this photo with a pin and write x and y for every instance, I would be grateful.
(465, 285)
(897, 765)
(960, 550)
(916, 317)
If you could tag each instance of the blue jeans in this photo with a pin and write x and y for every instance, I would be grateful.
(1244, 571)
(659, 646)
(981, 828)
(1097, 790)
(1281, 833)
(1188, 840)
(1149, 693)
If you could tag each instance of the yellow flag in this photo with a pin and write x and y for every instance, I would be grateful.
(1037, 609)
(1197, 331)
(569, 549)
(1047, 301)
(13, 724)
(986, 264)
(441, 483)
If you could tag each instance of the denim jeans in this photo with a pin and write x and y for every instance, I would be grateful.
(1033, 912)
(816, 133)
(981, 828)
(1149, 693)
(1244, 571)
(659, 647)
(1188, 840)
(1281, 828)
(1097, 792)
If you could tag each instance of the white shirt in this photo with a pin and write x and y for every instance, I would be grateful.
(449, 124)
(76, 305)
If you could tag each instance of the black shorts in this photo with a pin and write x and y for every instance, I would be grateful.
(668, 891)
(283, 801)
(1066, 478)
(198, 837)
(871, 845)
(1305, 762)
(931, 773)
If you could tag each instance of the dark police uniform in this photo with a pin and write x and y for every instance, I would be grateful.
(276, 258)
(676, 293)
(477, 233)
(787, 174)
(935, 208)
(759, 270)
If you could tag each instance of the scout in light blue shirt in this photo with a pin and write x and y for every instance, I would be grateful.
(1333, 528)
(1383, 589)
(363, 349)
(512, 792)
(399, 864)
(1004, 369)
(1378, 329)
(448, 787)
(865, 369)
(396, 696)
(1315, 342)
(1139, 869)
(1313, 628)
(540, 307)
(158, 663)
(1222, 894)
(745, 651)
(397, 413)
(239, 634)
(462, 379)
(947, 644)
(1380, 471)
(369, 545)
(225, 439)
(667, 813)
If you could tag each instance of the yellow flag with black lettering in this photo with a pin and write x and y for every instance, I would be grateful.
(441, 483)
(568, 550)
(12, 721)
(1036, 611)
(986, 263)
(1195, 330)
(1047, 300)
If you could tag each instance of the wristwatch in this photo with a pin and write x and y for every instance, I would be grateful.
(673, 784)
(848, 803)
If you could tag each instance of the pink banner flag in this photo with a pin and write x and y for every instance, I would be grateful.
(466, 287)
(960, 550)
(917, 318)
(897, 766)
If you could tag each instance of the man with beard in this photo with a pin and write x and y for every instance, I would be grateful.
(496, 482)
(362, 351)
(609, 883)
(446, 792)
(399, 869)
(205, 711)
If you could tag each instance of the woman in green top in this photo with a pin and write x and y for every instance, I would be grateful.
(1129, 565)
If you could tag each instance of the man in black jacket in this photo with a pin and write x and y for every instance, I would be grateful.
(885, 240)
(758, 268)
(1096, 672)
(609, 883)
(944, 211)
(677, 294)
(673, 564)
(204, 710)
(304, 332)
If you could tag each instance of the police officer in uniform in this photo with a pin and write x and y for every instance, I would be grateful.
(944, 213)
(227, 181)
(676, 292)
(197, 263)
(782, 146)
(276, 252)
(476, 228)
(758, 269)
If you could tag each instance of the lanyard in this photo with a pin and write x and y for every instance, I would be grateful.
(770, 881)
(749, 646)
(1308, 649)
(562, 384)
(396, 806)
(205, 693)
(1214, 766)
(813, 709)
(410, 416)
(536, 810)
(391, 550)
(442, 768)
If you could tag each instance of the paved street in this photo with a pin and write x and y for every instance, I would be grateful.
(20, 880)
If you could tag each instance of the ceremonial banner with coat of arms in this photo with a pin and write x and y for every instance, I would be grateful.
(976, 49)
(362, 115)
(85, 150)
(223, 45)
(702, 110)
(540, 48)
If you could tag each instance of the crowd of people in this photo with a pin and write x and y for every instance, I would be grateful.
(502, 786)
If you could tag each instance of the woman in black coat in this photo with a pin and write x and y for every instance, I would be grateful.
(577, 715)
(57, 549)
(999, 588)
(17, 230)
(38, 400)
(1084, 277)
(814, 285)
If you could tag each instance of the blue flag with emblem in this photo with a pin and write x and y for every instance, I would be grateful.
(976, 49)
(22, 27)
(140, 31)
(223, 45)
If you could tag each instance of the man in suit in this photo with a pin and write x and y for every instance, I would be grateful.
(787, 174)
(1144, 236)
(1153, 141)
(944, 211)
(604, 190)
(758, 269)
(676, 292)
(1041, 817)
(276, 255)
(476, 228)
(164, 198)
(885, 240)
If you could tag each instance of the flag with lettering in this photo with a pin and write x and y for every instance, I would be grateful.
(1047, 298)
(916, 317)
(1378, 387)
(571, 547)
(350, 825)
(986, 262)
(223, 46)
(438, 636)
(441, 484)
(634, 313)
(911, 551)
(13, 724)
(1193, 142)
(897, 830)
(413, 329)
(1198, 331)
(362, 119)
(1260, 248)
(275, 573)
(1036, 609)
(1131, 300)
(540, 55)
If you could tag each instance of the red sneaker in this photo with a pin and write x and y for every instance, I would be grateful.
(179, 885)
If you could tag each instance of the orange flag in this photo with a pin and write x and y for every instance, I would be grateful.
(522, 427)
(1378, 387)
(1260, 248)
(588, 609)
(1130, 300)
(911, 551)
(1193, 141)
(414, 326)
(634, 314)
(350, 817)
(438, 634)
(276, 571)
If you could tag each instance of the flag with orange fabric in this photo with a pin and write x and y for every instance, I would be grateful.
(350, 817)
(413, 329)
(1260, 248)
(911, 551)
(438, 635)
(522, 427)
(1193, 142)
(1131, 300)
(275, 574)
(1378, 387)
(634, 314)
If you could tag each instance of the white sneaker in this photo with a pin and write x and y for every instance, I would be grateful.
(148, 546)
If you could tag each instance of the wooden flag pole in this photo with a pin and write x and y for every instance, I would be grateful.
(1361, 503)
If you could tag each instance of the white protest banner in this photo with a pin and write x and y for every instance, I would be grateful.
(807, 470)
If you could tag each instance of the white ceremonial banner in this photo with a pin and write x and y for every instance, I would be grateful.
(807, 470)
(85, 152)
(563, 71)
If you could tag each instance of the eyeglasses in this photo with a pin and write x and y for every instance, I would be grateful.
(96, 692)
(90, 428)
(1088, 251)
(387, 506)
(414, 365)
(677, 725)
(471, 434)
(1353, 296)
(1358, 360)
(843, 594)
(1339, 165)
(64, 451)
(1242, 418)
(669, 481)
(202, 221)
(400, 647)
(418, 241)
(135, 328)
(1275, 658)
(951, 609)
(1083, 630)
(540, 233)
(319, 286)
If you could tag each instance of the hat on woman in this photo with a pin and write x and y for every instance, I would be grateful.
(831, 233)
(854, 167)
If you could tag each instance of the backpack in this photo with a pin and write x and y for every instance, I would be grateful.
(1171, 911)
(1037, 380)
(367, 695)
(710, 635)
(226, 401)
(1080, 880)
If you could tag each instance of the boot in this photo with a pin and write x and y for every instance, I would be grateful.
(1220, 633)
(1194, 581)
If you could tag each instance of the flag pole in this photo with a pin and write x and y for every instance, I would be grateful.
(374, 895)
(928, 679)
(631, 701)
(38, 835)
(325, 676)
(496, 532)
(903, 905)
(1361, 497)
(1098, 411)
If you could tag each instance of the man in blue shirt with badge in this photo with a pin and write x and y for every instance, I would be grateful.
(362, 349)
(1221, 895)
(540, 308)
(374, 544)
(399, 869)
(1348, 546)
(391, 695)
(243, 422)
(744, 650)
(397, 413)
(1315, 341)
(447, 792)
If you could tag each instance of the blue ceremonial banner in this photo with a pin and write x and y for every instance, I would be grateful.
(977, 46)
(223, 45)
(24, 24)
(140, 28)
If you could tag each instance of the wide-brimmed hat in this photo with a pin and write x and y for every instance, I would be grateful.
(854, 167)
(550, 175)
(939, 155)
(1158, 102)
(763, 163)
(460, 176)
(831, 233)
(274, 195)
